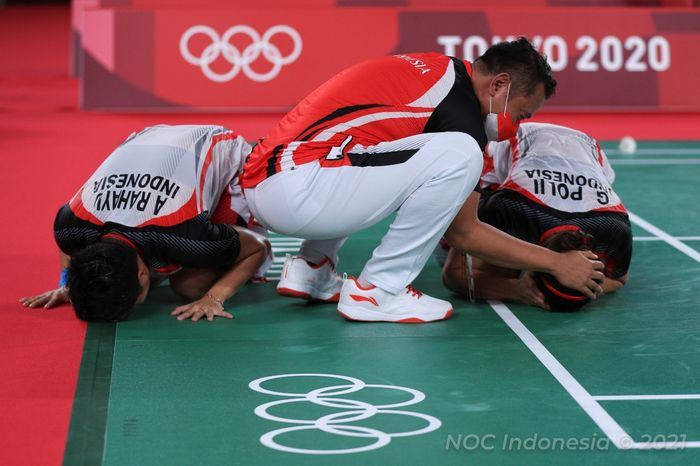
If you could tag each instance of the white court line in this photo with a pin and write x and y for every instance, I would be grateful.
(681, 445)
(607, 424)
(588, 403)
(693, 254)
(655, 161)
(687, 250)
(646, 397)
(692, 151)
(281, 245)
(656, 238)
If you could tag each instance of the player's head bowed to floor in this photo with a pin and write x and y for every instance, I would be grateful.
(550, 186)
(106, 280)
(165, 203)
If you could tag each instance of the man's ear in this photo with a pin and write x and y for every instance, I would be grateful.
(143, 272)
(499, 83)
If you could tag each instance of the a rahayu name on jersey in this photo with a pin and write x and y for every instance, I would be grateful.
(419, 64)
(112, 195)
(566, 185)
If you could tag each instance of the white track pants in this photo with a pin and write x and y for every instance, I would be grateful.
(325, 205)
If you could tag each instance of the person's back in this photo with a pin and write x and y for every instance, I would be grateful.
(148, 211)
(547, 183)
(163, 175)
(384, 99)
(555, 166)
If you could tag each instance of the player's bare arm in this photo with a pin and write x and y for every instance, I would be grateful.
(254, 249)
(490, 281)
(578, 270)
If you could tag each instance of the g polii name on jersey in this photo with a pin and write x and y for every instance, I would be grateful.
(569, 186)
(611, 53)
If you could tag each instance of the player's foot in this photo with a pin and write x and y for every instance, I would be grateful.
(317, 282)
(373, 304)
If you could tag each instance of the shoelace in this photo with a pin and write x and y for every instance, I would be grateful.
(413, 291)
(320, 264)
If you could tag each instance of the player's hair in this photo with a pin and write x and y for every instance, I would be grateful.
(573, 239)
(103, 282)
(560, 239)
(526, 66)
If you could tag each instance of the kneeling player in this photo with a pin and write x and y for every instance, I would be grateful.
(551, 186)
(150, 211)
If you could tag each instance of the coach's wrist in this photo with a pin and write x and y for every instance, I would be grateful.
(550, 262)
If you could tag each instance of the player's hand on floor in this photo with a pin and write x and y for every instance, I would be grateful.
(529, 294)
(581, 271)
(49, 299)
(204, 307)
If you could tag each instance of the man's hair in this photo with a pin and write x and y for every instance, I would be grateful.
(103, 282)
(559, 297)
(526, 66)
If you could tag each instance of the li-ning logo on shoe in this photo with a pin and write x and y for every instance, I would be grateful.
(341, 422)
(241, 60)
(360, 298)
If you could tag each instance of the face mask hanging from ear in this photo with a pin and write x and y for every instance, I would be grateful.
(500, 126)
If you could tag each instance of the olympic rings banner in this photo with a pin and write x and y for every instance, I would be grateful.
(268, 59)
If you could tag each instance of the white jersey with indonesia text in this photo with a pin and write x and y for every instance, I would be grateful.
(162, 176)
(554, 166)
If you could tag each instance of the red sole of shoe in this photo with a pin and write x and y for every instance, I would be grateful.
(410, 320)
(298, 294)
(293, 293)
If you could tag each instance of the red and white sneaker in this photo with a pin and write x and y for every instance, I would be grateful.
(312, 282)
(376, 305)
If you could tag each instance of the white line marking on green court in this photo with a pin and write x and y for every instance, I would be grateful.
(646, 397)
(656, 238)
(607, 424)
(652, 151)
(680, 445)
(635, 162)
(281, 246)
(670, 240)
(585, 400)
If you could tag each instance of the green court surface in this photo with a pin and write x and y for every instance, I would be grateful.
(618, 383)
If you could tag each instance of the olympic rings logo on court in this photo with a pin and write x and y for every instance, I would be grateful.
(338, 423)
(241, 60)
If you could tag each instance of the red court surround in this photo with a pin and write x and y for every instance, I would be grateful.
(47, 149)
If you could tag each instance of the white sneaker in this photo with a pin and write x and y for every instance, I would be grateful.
(312, 282)
(376, 305)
